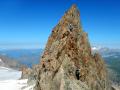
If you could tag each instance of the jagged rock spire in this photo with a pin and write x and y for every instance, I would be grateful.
(69, 24)
(67, 62)
(72, 16)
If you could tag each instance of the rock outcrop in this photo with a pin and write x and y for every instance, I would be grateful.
(67, 62)
(26, 72)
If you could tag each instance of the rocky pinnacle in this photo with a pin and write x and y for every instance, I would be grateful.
(67, 62)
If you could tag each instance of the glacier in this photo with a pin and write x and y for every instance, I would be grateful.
(10, 80)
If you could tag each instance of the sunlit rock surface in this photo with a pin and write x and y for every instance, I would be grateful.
(67, 62)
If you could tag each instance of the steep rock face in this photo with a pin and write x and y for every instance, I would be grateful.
(67, 62)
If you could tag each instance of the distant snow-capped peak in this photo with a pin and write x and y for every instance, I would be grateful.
(94, 48)
(0, 60)
(100, 49)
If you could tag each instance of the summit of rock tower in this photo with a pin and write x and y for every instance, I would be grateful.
(67, 62)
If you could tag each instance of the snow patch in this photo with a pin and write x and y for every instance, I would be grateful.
(1, 60)
(29, 87)
(13, 84)
(9, 80)
(9, 74)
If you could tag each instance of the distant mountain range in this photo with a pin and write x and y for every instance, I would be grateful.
(112, 59)
(26, 57)
(9, 63)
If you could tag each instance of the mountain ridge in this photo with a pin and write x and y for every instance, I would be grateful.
(67, 62)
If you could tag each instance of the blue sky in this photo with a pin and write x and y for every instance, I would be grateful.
(28, 23)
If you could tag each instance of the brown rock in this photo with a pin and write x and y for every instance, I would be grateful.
(25, 72)
(67, 62)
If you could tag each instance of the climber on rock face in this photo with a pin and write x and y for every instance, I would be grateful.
(70, 27)
(77, 73)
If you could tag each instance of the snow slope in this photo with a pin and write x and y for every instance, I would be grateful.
(13, 84)
(9, 74)
(9, 80)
